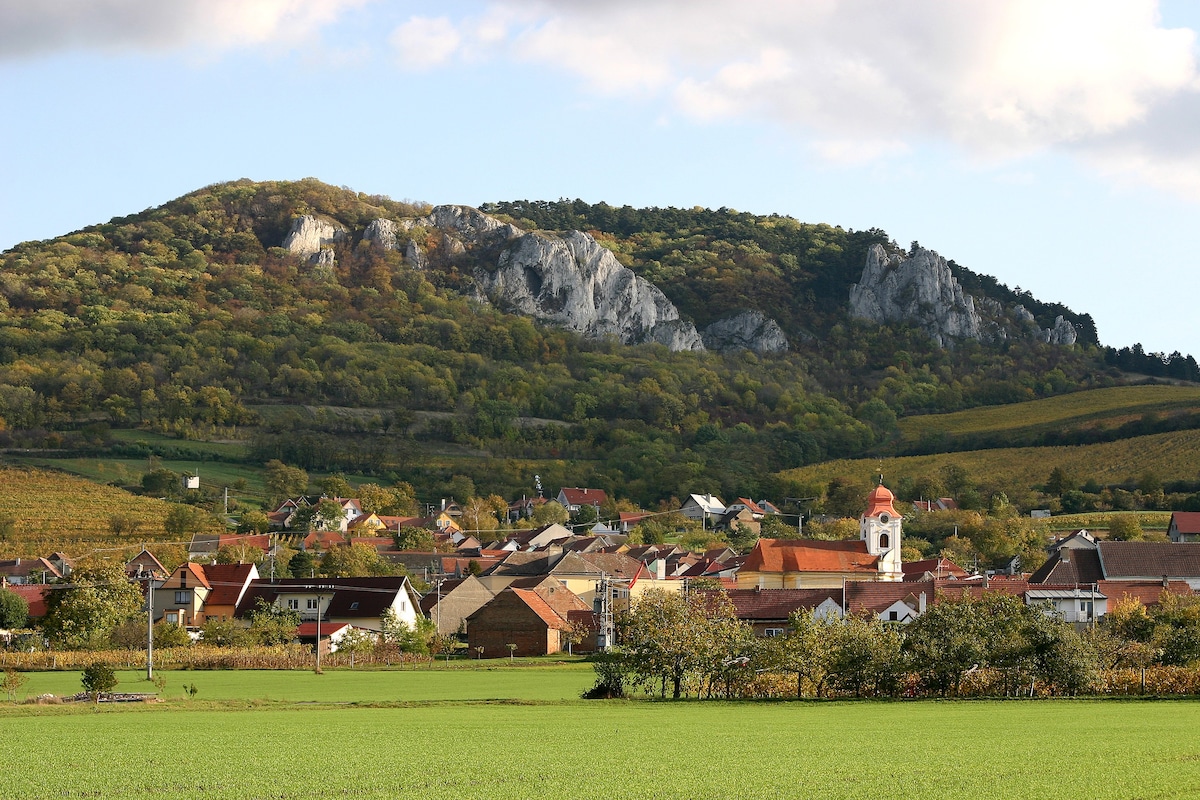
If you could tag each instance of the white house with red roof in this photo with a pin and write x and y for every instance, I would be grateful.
(1184, 527)
(574, 499)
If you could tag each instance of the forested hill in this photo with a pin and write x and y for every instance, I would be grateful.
(191, 319)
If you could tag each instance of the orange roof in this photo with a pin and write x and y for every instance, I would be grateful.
(880, 501)
(810, 555)
(540, 607)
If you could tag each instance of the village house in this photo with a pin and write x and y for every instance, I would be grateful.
(360, 602)
(574, 499)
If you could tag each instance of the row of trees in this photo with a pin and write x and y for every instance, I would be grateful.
(995, 644)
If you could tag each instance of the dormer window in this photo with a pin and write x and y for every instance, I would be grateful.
(354, 606)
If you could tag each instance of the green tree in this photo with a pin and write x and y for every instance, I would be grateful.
(336, 486)
(354, 561)
(805, 650)
(283, 482)
(99, 598)
(98, 679)
(14, 610)
(224, 633)
(12, 682)
(1060, 482)
(302, 565)
(1125, 528)
(122, 524)
(550, 512)
(185, 521)
(271, 624)
(254, 521)
(410, 538)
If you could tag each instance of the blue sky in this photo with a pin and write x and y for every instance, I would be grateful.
(1050, 143)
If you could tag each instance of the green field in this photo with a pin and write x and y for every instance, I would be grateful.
(1102, 408)
(450, 738)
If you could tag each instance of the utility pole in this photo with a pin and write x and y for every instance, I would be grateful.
(150, 626)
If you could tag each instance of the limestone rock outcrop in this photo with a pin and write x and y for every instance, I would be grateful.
(310, 235)
(574, 282)
(919, 290)
(383, 233)
(747, 330)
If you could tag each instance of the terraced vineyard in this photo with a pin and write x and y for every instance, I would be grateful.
(1094, 410)
(56, 511)
(1166, 454)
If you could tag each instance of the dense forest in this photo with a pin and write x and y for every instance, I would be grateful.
(190, 319)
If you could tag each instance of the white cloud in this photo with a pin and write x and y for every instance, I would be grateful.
(864, 77)
(38, 27)
(424, 42)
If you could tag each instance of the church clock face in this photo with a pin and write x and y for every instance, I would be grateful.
(884, 518)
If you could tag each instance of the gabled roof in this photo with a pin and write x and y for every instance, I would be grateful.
(540, 607)
(1070, 565)
(228, 582)
(939, 567)
(777, 604)
(749, 504)
(708, 503)
(308, 630)
(196, 571)
(372, 595)
(35, 595)
(584, 497)
(875, 596)
(1186, 521)
(25, 567)
(614, 565)
(810, 555)
(1150, 560)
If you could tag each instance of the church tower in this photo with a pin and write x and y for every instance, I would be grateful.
(879, 527)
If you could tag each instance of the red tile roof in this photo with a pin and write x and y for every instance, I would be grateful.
(941, 567)
(1149, 560)
(810, 555)
(584, 497)
(1148, 593)
(308, 630)
(227, 582)
(35, 595)
(540, 607)
(1186, 521)
(777, 604)
(875, 596)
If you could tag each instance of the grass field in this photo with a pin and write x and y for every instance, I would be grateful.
(458, 742)
(1094, 408)
(1169, 455)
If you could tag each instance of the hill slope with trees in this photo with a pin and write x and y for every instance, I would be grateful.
(191, 320)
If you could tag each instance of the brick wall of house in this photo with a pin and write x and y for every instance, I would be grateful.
(508, 620)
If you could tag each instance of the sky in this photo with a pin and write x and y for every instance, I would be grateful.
(1050, 143)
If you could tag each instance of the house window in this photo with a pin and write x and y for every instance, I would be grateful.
(183, 597)
(354, 606)
(884, 540)
(771, 633)
(893, 616)
(312, 604)
(293, 604)
(172, 617)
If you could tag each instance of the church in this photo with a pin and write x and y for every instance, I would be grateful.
(814, 564)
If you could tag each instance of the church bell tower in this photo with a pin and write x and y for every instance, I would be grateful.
(879, 527)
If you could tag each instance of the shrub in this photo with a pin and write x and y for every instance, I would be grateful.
(98, 678)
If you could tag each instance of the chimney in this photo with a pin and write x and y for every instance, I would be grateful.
(1166, 582)
(921, 603)
(661, 568)
(1064, 555)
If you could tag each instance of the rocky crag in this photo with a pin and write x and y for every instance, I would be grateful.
(920, 289)
(570, 280)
